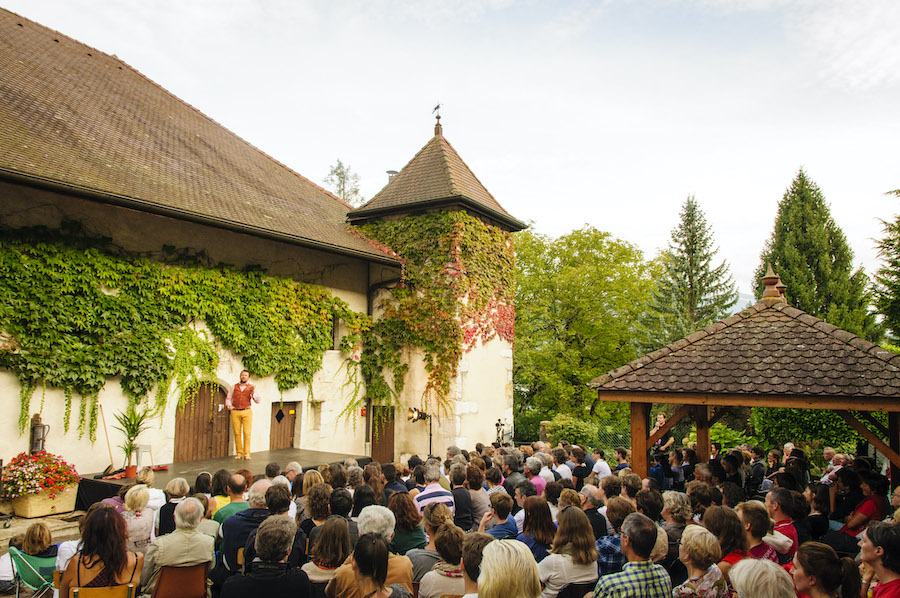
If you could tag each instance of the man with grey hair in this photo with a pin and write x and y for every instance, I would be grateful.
(546, 473)
(433, 491)
(591, 501)
(377, 520)
(182, 548)
(270, 574)
(292, 470)
(350, 462)
(237, 528)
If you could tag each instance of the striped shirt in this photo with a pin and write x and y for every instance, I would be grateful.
(433, 493)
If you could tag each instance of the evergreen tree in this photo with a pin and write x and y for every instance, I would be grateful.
(811, 255)
(887, 279)
(692, 293)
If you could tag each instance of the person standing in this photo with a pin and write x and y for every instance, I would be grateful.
(238, 402)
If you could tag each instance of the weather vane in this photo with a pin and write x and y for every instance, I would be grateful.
(437, 109)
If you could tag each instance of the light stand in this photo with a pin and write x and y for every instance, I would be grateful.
(416, 415)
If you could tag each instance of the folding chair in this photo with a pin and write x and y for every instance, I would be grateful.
(36, 573)
(125, 590)
(576, 590)
(182, 582)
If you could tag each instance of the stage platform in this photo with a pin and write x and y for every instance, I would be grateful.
(91, 490)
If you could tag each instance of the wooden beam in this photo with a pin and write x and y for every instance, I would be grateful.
(701, 420)
(670, 423)
(879, 427)
(875, 441)
(833, 403)
(716, 416)
(893, 438)
(640, 425)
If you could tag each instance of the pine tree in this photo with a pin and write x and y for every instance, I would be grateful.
(811, 254)
(692, 293)
(887, 279)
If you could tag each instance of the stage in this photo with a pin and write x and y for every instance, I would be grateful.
(91, 489)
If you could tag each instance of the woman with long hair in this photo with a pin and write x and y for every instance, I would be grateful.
(309, 479)
(481, 502)
(104, 560)
(446, 577)
(573, 558)
(699, 551)
(372, 477)
(817, 495)
(725, 524)
(819, 573)
(873, 507)
(362, 498)
(423, 559)
(370, 564)
(538, 529)
(508, 570)
(219, 490)
(408, 532)
(331, 549)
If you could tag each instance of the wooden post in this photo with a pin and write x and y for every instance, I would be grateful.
(640, 426)
(874, 440)
(701, 420)
(894, 442)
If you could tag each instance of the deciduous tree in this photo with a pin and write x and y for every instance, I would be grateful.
(345, 183)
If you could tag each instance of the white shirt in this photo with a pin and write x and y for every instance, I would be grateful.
(520, 520)
(609, 528)
(547, 475)
(558, 570)
(601, 468)
(564, 471)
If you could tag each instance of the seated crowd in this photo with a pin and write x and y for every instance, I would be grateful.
(501, 521)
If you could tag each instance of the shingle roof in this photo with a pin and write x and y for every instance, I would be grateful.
(436, 176)
(766, 349)
(72, 115)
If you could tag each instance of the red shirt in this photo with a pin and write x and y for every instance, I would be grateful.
(787, 528)
(734, 557)
(873, 508)
(890, 589)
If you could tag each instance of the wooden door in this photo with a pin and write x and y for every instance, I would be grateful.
(282, 432)
(203, 427)
(383, 434)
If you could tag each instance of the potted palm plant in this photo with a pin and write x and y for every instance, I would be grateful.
(131, 423)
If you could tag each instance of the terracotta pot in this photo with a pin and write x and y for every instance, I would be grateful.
(40, 504)
(130, 471)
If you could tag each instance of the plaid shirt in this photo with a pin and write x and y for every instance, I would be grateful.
(639, 579)
(609, 554)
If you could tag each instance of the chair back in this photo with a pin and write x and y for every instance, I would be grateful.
(126, 590)
(415, 591)
(240, 556)
(182, 582)
(34, 572)
(318, 589)
(576, 590)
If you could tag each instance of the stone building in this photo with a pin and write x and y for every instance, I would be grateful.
(85, 138)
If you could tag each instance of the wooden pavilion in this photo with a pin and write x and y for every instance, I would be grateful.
(769, 355)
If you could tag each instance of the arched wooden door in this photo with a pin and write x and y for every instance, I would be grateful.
(203, 428)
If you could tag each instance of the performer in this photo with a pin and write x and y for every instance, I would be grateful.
(238, 402)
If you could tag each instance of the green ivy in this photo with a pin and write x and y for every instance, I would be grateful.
(75, 311)
(457, 288)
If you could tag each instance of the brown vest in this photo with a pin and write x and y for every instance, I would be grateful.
(240, 399)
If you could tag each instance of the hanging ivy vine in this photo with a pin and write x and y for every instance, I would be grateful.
(457, 288)
(75, 311)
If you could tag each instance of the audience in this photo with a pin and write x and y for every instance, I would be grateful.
(177, 489)
(446, 575)
(104, 559)
(758, 578)
(819, 573)
(138, 519)
(472, 552)
(573, 558)
(423, 559)
(538, 530)
(183, 547)
(639, 575)
(330, 551)
(408, 533)
(236, 502)
(503, 524)
(611, 558)
(879, 551)
(508, 570)
(700, 552)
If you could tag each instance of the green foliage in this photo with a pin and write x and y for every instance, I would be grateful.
(729, 438)
(811, 254)
(456, 289)
(691, 293)
(781, 425)
(579, 299)
(75, 311)
(345, 183)
(887, 279)
(573, 429)
(132, 423)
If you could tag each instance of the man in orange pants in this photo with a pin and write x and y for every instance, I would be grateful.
(238, 402)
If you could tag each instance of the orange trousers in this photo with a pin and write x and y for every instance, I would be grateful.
(241, 419)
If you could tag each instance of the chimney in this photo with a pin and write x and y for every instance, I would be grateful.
(391, 175)
(774, 291)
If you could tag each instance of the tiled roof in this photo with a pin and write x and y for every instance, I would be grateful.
(70, 114)
(766, 349)
(435, 176)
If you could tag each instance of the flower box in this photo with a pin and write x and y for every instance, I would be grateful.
(45, 503)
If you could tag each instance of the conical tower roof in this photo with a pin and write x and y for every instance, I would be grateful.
(436, 178)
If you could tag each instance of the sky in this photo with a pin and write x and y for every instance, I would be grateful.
(603, 113)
